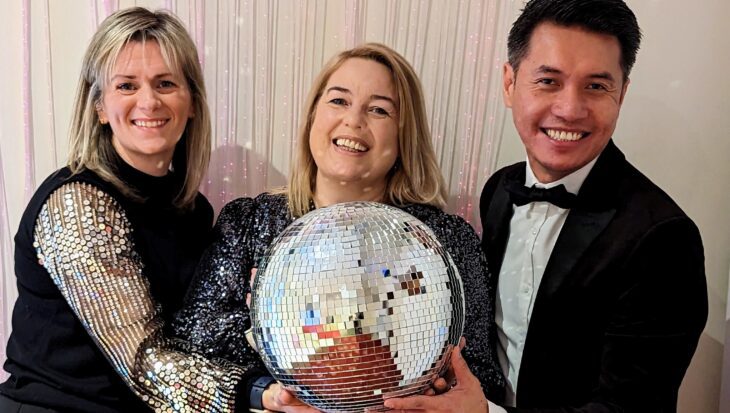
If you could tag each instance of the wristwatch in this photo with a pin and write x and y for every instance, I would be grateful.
(256, 400)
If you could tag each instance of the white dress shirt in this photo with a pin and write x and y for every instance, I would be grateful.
(534, 229)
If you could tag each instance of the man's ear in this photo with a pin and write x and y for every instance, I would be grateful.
(508, 84)
(624, 88)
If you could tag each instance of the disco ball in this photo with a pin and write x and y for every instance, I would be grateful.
(355, 303)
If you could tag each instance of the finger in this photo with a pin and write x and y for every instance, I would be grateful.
(440, 385)
(286, 398)
(248, 300)
(449, 376)
(289, 402)
(461, 369)
(462, 343)
(413, 403)
(253, 275)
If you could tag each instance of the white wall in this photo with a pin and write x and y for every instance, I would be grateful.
(675, 127)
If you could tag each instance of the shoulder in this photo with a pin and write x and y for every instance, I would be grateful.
(77, 211)
(449, 228)
(493, 182)
(83, 195)
(643, 202)
(271, 202)
(614, 182)
(245, 209)
(64, 181)
(505, 170)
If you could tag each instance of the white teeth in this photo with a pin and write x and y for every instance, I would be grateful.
(350, 144)
(150, 123)
(563, 135)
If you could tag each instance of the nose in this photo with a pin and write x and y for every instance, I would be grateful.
(148, 99)
(354, 117)
(570, 105)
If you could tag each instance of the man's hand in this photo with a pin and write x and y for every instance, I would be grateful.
(444, 384)
(465, 397)
(278, 399)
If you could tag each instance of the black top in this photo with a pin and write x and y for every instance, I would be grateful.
(215, 315)
(52, 359)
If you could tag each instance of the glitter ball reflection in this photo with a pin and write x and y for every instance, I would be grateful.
(355, 303)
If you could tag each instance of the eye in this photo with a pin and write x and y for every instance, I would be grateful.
(337, 101)
(126, 87)
(377, 110)
(546, 81)
(167, 84)
(597, 86)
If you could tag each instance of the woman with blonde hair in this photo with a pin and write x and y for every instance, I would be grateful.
(107, 245)
(364, 137)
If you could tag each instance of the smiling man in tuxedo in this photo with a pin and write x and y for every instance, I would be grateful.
(601, 294)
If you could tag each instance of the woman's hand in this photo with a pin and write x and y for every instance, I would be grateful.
(250, 283)
(278, 399)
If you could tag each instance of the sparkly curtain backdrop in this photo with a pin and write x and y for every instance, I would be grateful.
(7, 288)
(259, 59)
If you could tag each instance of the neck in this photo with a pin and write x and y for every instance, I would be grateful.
(328, 192)
(155, 165)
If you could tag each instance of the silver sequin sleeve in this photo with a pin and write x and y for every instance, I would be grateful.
(84, 240)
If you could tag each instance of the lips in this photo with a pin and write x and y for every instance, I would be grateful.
(350, 145)
(565, 136)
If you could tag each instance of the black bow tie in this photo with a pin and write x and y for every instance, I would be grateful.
(522, 195)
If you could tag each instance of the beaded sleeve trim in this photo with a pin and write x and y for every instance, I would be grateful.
(83, 239)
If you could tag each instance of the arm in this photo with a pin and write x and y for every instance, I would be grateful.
(465, 397)
(215, 316)
(651, 336)
(480, 353)
(83, 239)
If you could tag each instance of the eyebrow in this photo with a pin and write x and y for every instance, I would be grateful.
(372, 97)
(135, 77)
(552, 70)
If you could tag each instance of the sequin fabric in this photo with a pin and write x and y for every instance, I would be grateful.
(83, 239)
(215, 315)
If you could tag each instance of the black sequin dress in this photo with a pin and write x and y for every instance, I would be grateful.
(215, 317)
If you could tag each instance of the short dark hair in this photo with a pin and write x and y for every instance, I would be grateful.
(612, 17)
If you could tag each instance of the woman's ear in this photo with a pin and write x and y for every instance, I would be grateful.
(100, 113)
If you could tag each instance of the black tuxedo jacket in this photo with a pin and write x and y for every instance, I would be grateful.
(623, 299)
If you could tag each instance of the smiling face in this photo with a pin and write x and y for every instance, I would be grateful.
(354, 134)
(147, 107)
(565, 98)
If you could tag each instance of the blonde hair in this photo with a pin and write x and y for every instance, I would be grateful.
(416, 177)
(91, 142)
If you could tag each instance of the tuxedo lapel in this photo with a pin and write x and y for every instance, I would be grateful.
(579, 231)
(595, 207)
